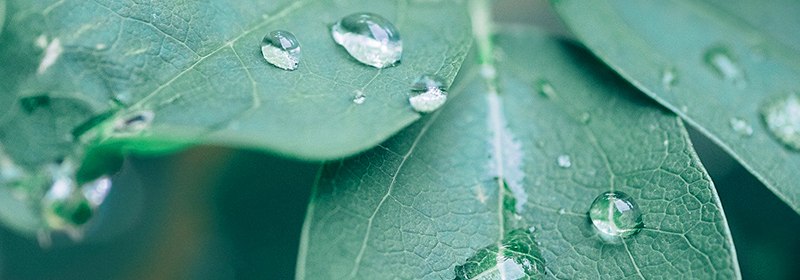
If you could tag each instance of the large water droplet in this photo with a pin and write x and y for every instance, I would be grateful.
(669, 78)
(720, 60)
(369, 38)
(427, 94)
(782, 119)
(564, 161)
(741, 126)
(517, 257)
(615, 214)
(280, 48)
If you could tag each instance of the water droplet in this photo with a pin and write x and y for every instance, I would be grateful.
(427, 94)
(517, 257)
(66, 207)
(684, 108)
(132, 124)
(31, 103)
(585, 118)
(545, 88)
(359, 98)
(720, 60)
(280, 48)
(369, 38)
(532, 229)
(782, 119)
(564, 161)
(669, 78)
(741, 126)
(562, 211)
(615, 214)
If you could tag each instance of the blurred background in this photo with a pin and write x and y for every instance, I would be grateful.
(216, 213)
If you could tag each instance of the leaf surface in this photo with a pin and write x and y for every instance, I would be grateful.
(439, 199)
(642, 40)
(198, 66)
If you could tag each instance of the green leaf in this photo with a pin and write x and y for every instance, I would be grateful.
(451, 188)
(198, 66)
(642, 40)
(2, 14)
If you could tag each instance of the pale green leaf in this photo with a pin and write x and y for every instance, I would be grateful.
(643, 39)
(428, 199)
(199, 67)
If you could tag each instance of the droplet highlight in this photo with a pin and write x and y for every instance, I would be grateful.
(427, 94)
(544, 88)
(369, 38)
(669, 78)
(614, 214)
(564, 161)
(517, 256)
(359, 98)
(741, 126)
(281, 48)
(781, 116)
(720, 60)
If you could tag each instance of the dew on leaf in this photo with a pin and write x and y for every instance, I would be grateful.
(544, 88)
(281, 48)
(133, 124)
(359, 98)
(741, 126)
(781, 116)
(517, 256)
(369, 38)
(564, 161)
(31, 103)
(427, 94)
(723, 64)
(614, 214)
(669, 78)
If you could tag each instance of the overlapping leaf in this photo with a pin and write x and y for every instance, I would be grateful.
(646, 40)
(430, 198)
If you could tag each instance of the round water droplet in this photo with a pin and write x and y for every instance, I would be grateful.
(669, 78)
(132, 124)
(585, 118)
(427, 94)
(281, 48)
(615, 214)
(562, 211)
(722, 63)
(741, 126)
(781, 116)
(564, 161)
(369, 38)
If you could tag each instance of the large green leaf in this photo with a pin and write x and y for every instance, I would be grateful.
(643, 40)
(198, 66)
(430, 198)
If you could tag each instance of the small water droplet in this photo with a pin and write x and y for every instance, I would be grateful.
(564, 161)
(722, 63)
(488, 72)
(427, 94)
(281, 48)
(669, 78)
(66, 207)
(517, 257)
(359, 98)
(132, 124)
(532, 229)
(585, 118)
(544, 88)
(684, 108)
(781, 116)
(562, 211)
(615, 214)
(741, 126)
(369, 38)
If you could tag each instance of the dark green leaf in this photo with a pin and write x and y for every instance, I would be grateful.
(643, 40)
(438, 195)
